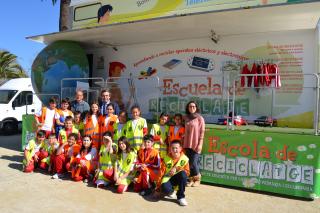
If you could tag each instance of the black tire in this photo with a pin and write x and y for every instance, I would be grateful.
(10, 128)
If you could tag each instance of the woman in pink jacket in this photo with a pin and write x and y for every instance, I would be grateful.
(193, 141)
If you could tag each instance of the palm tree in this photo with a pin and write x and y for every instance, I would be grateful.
(64, 14)
(9, 68)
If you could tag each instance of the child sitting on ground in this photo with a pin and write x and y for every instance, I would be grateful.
(34, 152)
(175, 170)
(51, 148)
(124, 168)
(61, 161)
(81, 165)
(107, 158)
(147, 166)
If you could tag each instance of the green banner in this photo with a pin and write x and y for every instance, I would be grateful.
(29, 129)
(274, 162)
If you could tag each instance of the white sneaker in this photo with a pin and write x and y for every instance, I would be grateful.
(55, 176)
(101, 183)
(171, 196)
(183, 202)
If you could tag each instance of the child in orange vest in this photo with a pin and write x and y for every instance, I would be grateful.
(81, 167)
(107, 121)
(176, 132)
(61, 161)
(34, 152)
(92, 126)
(147, 166)
(61, 114)
(45, 118)
(175, 172)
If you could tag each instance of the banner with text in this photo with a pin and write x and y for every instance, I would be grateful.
(29, 128)
(272, 162)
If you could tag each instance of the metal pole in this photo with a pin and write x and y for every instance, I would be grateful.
(228, 104)
(317, 105)
(233, 103)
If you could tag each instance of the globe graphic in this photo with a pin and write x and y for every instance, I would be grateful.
(59, 60)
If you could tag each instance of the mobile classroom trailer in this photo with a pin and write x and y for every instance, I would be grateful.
(161, 54)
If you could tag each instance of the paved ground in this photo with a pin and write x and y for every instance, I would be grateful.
(20, 192)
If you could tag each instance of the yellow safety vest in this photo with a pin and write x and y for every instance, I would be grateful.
(30, 152)
(124, 165)
(135, 136)
(106, 161)
(63, 134)
(168, 161)
(117, 133)
(163, 134)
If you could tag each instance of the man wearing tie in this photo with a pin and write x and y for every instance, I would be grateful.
(105, 100)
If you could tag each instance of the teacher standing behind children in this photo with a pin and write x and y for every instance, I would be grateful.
(193, 141)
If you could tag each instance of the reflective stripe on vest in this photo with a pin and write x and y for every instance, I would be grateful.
(117, 133)
(63, 134)
(123, 166)
(177, 136)
(135, 136)
(163, 134)
(169, 164)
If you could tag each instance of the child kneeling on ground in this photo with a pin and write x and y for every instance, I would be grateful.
(175, 169)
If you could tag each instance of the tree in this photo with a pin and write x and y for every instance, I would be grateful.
(64, 14)
(9, 68)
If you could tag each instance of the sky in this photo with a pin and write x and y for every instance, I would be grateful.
(23, 18)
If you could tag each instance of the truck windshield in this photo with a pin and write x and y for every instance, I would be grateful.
(6, 95)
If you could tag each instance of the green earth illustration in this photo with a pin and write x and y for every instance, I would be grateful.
(61, 59)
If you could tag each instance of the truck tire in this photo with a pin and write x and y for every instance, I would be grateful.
(10, 128)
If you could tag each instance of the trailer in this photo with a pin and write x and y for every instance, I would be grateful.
(247, 58)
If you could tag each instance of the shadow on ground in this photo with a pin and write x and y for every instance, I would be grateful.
(12, 142)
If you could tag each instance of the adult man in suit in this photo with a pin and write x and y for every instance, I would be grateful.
(105, 100)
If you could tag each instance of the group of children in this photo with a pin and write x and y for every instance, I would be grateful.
(109, 150)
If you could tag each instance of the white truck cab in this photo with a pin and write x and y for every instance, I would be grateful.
(16, 99)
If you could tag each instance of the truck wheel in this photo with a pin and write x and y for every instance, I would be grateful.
(10, 128)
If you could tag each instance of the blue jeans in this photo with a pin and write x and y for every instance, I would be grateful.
(180, 180)
(194, 162)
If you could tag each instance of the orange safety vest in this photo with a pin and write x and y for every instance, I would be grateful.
(42, 118)
(93, 131)
(109, 127)
(60, 112)
(177, 136)
(153, 172)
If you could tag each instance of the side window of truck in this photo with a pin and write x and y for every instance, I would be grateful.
(24, 98)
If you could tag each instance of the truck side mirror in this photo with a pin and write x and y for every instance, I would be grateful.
(14, 104)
